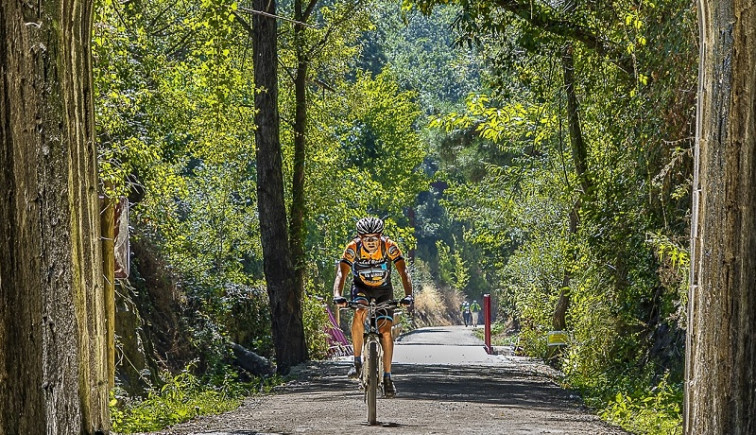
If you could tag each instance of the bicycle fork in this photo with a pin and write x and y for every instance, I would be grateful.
(372, 353)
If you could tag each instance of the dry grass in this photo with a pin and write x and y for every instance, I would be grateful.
(437, 307)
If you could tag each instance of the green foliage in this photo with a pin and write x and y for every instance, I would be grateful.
(380, 142)
(507, 157)
(366, 165)
(164, 124)
(397, 101)
(315, 318)
(452, 268)
(657, 413)
(421, 52)
(243, 317)
(515, 124)
(445, 266)
(674, 263)
(180, 399)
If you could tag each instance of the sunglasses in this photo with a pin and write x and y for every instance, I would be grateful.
(370, 239)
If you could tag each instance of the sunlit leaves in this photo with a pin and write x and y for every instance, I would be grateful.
(174, 110)
(625, 288)
(421, 51)
(508, 125)
(365, 161)
(452, 268)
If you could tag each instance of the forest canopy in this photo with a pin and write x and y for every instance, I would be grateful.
(540, 152)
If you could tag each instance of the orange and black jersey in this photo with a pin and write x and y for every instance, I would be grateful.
(372, 270)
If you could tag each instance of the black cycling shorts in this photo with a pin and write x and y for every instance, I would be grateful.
(380, 295)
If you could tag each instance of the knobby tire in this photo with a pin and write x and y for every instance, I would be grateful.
(372, 382)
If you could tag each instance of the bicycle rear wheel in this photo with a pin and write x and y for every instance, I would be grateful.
(372, 381)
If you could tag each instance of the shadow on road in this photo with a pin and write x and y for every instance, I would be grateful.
(423, 331)
(442, 390)
(480, 384)
(444, 383)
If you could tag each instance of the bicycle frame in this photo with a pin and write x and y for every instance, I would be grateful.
(372, 354)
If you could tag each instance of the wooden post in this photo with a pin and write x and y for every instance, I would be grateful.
(107, 230)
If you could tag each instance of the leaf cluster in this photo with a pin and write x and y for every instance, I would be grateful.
(508, 159)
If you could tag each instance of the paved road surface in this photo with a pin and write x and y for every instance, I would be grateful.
(444, 345)
(453, 388)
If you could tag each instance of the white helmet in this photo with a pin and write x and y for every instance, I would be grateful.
(369, 225)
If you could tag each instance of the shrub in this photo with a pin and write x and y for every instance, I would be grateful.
(315, 318)
(655, 412)
(181, 398)
(432, 306)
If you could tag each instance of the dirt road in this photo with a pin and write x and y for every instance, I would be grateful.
(446, 384)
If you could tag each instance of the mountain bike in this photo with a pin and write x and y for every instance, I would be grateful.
(372, 354)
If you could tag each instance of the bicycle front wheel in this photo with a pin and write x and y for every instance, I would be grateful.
(372, 381)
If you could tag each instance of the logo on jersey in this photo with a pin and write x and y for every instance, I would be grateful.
(372, 273)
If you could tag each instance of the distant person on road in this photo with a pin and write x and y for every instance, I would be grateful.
(369, 256)
(465, 309)
(475, 311)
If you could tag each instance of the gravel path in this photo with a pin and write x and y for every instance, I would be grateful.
(446, 384)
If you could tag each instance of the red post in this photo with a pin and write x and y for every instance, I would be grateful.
(487, 320)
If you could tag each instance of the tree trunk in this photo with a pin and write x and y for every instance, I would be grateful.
(559, 320)
(297, 234)
(107, 232)
(579, 149)
(285, 302)
(580, 159)
(53, 371)
(720, 394)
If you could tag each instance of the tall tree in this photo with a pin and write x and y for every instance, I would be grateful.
(53, 372)
(580, 159)
(306, 49)
(298, 204)
(720, 397)
(285, 297)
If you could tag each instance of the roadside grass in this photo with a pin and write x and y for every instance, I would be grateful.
(501, 335)
(185, 396)
(180, 399)
(655, 412)
(436, 306)
(626, 402)
(636, 408)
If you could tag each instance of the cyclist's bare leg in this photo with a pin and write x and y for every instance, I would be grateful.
(358, 327)
(384, 326)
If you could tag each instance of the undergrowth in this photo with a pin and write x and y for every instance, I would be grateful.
(635, 403)
(180, 399)
(655, 412)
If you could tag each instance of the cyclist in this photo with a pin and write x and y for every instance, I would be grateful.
(369, 256)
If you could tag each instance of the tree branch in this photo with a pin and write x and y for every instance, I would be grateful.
(324, 40)
(244, 23)
(558, 25)
(308, 11)
(277, 17)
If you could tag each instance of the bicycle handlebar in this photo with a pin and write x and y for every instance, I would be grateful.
(383, 305)
(390, 304)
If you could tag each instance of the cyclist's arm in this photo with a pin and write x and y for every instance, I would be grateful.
(342, 271)
(401, 267)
